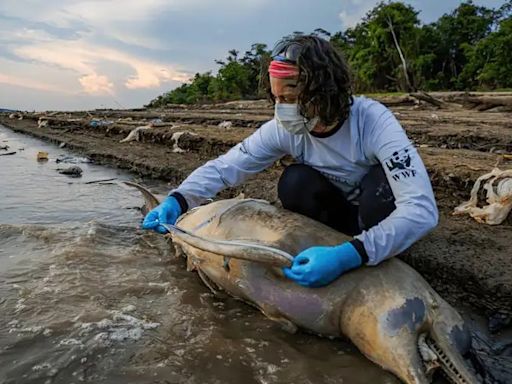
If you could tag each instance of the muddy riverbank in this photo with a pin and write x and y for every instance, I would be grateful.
(465, 261)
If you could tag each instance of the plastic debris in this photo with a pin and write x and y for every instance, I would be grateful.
(42, 156)
(99, 123)
(498, 187)
(72, 159)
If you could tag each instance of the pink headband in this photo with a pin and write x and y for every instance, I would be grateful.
(282, 70)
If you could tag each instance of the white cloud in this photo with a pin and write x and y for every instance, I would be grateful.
(27, 82)
(30, 75)
(124, 20)
(84, 59)
(90, 21)
(354, 10)
(96, 84)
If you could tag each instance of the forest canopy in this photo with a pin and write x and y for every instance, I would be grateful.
(389, 50)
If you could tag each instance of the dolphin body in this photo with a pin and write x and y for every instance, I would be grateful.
(389, 312)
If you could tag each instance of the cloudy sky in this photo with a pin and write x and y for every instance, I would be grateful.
(84, 54)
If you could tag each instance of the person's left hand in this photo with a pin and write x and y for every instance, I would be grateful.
(319, 266)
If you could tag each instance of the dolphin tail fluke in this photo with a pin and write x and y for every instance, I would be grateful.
(150, 200)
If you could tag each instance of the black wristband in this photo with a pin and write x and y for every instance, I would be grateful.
(358, 245)
(181, 201)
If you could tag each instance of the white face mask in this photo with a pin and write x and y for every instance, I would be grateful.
(289, 117)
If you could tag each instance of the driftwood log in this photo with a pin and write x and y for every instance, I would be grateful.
(477, 102)
(483, 103)
(423, 96)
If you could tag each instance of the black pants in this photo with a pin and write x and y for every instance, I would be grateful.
(304, 190)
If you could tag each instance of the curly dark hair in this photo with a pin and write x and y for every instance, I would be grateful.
(324, 81)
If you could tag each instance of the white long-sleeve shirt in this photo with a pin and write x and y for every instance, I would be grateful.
(371, 135)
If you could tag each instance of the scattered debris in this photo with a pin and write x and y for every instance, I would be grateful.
(175, 137)
(134, 135)
(73, 171)
(62, 145)
(100, 123)
(423, 96)
(499, 198)
(484, 103)
(225, 124)
(8, 153)
(16, 115)
(4, 147)
(72, 159)
(51, 120)
(42, 156)
(42, 122)
(99, 181)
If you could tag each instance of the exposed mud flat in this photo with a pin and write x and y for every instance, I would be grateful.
(465, 261)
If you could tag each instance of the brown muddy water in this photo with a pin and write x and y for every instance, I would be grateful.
(86, 296)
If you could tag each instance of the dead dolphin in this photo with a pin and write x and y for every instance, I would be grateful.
(389, 312)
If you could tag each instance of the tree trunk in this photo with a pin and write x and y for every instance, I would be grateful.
(402, 58)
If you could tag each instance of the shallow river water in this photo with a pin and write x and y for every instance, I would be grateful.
(86, 296)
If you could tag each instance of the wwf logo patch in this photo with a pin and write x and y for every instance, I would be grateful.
(400, 164)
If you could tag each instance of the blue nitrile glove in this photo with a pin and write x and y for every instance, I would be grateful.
(167, 212)
(318, 266)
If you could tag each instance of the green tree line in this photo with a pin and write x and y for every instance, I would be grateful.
(389, 50)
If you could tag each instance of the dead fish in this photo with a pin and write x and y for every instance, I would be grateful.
(389, 311)
(73, 171)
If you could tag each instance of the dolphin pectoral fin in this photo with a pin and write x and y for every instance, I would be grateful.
(274, 315)
(286, 325)
(211, 285)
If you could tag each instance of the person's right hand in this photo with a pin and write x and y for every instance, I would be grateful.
(167, 212)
